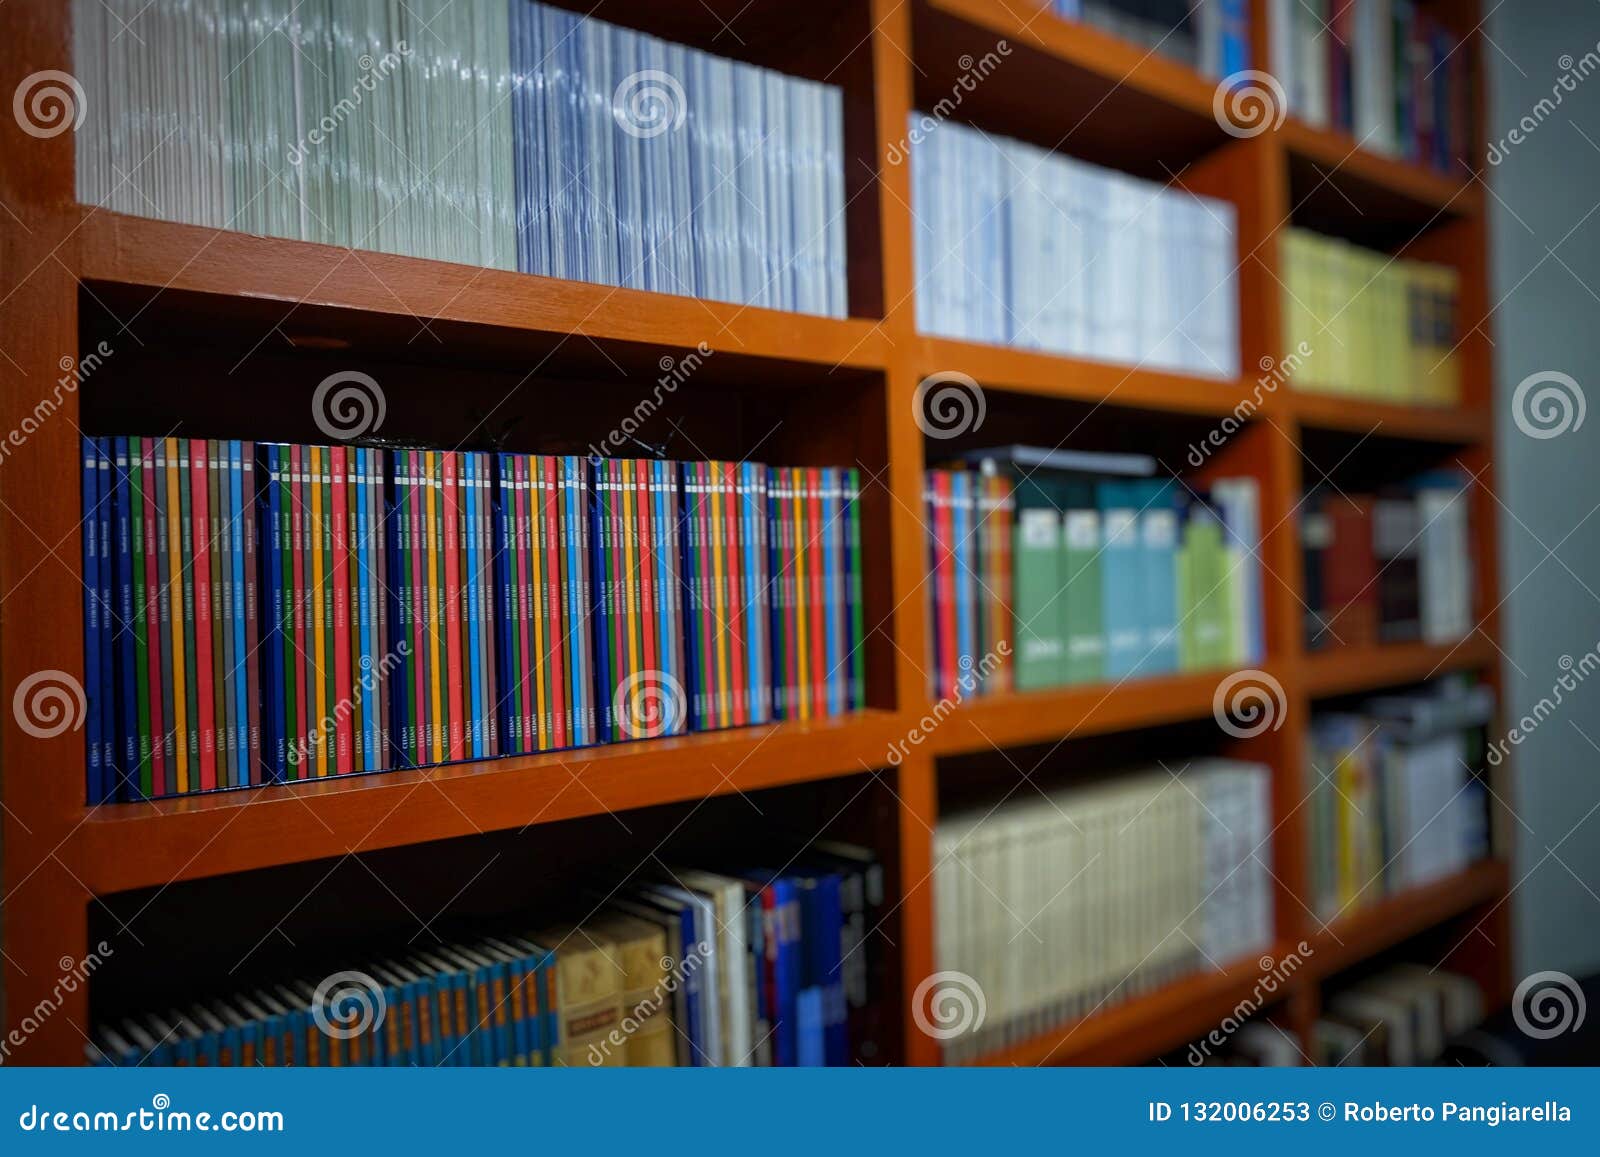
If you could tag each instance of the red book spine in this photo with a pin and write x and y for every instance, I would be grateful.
(199, 531)
(344, 721)
(554, 554)
(452, 602)
(618, 586)
(158, 748)
(650, 657)
(732, 510)
(817, 606)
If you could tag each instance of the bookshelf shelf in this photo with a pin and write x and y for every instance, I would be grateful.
(1059, 376)
(1346, 670)
(1457, 426)
(1041, 716)
(126, 846)
(1372, 929)
(1148, 1025)
(67, 270)
(1376, 185)
(383, 297)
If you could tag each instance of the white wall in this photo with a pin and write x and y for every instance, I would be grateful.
(1545, 218)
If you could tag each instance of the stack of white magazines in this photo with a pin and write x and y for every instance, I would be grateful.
(1018, 246)
(503, 134)
(1058, 907)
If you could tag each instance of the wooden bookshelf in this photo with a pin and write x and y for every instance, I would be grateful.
(1062, 86)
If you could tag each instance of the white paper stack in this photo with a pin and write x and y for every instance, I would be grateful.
(1018, 246)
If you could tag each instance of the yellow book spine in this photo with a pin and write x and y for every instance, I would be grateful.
(630, 578)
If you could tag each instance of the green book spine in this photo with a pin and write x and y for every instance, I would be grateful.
(1085, 653)
(1188, 657)
(191, 667)
(858, 637)
(1040, 647)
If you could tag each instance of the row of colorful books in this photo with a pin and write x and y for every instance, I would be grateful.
(1392, 568)
(696, 968)
(1016, 245)
(1395, 798)
(1386, 71)
(1212, 36)
(1079, 567)
(506, 134)
(1060, 906)
(267, 612)
(1362, 323)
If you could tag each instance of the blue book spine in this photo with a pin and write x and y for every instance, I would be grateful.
(810, 1013)
(110, 749)
(128, 788)
(837, 1013)
(787, 971)
(470, 618)
(400, 679)
(694, 994)
(95, 788)
(668, 613)
(550, 1033)
(1235, 54)
(688, 550)
(1159, 560)
(270, 513)
(1121, 580)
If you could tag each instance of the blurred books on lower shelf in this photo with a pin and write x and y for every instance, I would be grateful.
(1060, 568)
(1361, 323)
(1403, 1015)
(1394, 567)
(1055, 908)
(1395, 796)
(752, 967)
